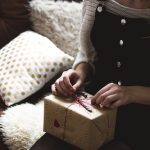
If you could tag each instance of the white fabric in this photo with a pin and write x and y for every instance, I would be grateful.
(22, 125)
(27, 63)
(59, 21)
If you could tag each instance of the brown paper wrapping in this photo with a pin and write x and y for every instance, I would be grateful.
(72, 123)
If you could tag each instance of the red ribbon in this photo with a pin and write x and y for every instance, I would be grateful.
(81, 101)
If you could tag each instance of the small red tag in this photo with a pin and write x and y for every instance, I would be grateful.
(56, 124)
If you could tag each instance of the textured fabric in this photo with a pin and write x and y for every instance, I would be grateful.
(116, 8)
(27, 63)
(87, 52)
(59, 21)
(14, 19)
(130, 47)
(22, 125)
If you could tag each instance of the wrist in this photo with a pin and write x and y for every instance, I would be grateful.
(132, 94)
(81, 74)
(139, 94)
(83, 70)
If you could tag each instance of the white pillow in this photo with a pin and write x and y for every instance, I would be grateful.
(27, 63)
(22, 125)
(59, 21)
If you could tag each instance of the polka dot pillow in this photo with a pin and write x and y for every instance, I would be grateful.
(27, 63)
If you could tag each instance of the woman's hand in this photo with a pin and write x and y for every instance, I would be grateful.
(112, 96)
(69, 82)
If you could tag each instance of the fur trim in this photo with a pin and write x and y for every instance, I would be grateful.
(22, 125)
(59, 21)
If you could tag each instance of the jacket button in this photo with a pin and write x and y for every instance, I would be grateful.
(118, 64)
(100, 9)
(119, 83)
(121, 42)
(123, 21)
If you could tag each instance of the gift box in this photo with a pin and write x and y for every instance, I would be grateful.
(77, 122)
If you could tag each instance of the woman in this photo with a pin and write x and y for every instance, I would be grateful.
(115, 43)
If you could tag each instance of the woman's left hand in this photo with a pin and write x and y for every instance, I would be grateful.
(112, 96)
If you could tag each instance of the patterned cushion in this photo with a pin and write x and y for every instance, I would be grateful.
(27, 63)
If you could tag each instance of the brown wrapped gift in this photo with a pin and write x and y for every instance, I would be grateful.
(78, 122)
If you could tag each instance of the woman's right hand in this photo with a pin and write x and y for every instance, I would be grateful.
(69, 82)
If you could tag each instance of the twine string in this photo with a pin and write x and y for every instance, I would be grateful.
(81, 101)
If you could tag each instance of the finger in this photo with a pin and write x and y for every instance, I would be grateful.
(66, 91)
(104, 96)
(70, 78)
(101, 91)
(59, 90)
(106, 100)
(77, 85)
(116, 104)
(68, 84)
(110, 99)
(54, 89)
(98, 101)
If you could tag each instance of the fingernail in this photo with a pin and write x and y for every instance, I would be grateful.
(101, 105)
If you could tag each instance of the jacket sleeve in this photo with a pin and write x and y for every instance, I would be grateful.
(14, 19)
(86, 51)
